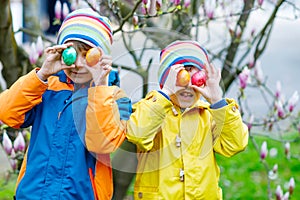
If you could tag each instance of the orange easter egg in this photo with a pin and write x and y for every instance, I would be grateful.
(93, 56)
(183, 78)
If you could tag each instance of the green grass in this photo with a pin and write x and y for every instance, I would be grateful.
(244, 176)
(7, 188)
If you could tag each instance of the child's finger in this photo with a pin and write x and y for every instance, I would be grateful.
(107, 67)
(212, 68)
(178, 67)
(106, 62)
(208, 69)
(58, 48)
(175, 69)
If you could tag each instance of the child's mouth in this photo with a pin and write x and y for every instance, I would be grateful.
(186, 94)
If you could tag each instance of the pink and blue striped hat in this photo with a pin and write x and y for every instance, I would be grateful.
(186, 52)
(87, 26)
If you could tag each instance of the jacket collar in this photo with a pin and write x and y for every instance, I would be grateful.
(65, 79)
(201, 104)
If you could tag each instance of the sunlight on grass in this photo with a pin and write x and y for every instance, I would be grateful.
(244, 177)
(7, 188)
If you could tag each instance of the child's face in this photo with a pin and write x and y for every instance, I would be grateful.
(79, 74)
(186, 97)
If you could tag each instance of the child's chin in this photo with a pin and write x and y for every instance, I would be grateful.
(78, 80)
(185, 104)
(182, 103)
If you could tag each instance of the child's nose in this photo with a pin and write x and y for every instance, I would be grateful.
(80, 61)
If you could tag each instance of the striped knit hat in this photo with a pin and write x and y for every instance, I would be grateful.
(181, 52)
(87, 26)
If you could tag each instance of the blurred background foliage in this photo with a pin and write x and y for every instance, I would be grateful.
(269, 168)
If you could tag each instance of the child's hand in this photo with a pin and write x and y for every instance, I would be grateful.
(53, 62)
(212, 91)
(101, 70)
(170, 87)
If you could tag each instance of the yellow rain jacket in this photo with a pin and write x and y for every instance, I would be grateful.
(176, 151)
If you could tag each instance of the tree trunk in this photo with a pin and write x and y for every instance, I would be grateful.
(31, 19)
(9, 49)
(14, 59)
(227, 75)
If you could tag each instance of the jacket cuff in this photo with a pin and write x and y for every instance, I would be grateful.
(219, 104)
(230, 112)
(34, 80)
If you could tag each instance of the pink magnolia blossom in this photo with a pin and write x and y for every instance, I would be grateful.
(258, 72)
(187, 3)
(287, 149)
(293, 101)
(291, 185)
(57, 10)
(12, 160)
(263, 150)
(13, 154)
(280, 110)
(251, 62)
(260, 2)
(230, 28)
(210, 7)
(177, 2)
(210, 14)
(275, 168)
(238, 32)
(19, 143)
(152, 8)
(278, 193)
(286, 196)
(13, 163)
(75, 5)
(33, 54)
(135, 20)
(39, 46)
(6, 143)
(252, 32)
(65, 10)
(250, 122)
(278, 89)
(158, 4)
(243, 77)
(273, 173)
(144, 10)
(145, 2)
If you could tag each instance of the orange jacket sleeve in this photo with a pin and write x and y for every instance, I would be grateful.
(22, 96)
(105, 130)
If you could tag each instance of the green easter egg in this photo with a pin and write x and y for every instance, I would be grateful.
(69, 55)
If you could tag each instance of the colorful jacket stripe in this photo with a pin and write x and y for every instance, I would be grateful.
(73, 132)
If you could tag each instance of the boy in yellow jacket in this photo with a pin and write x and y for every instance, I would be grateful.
(177, 134)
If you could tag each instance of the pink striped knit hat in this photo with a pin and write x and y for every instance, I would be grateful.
(184, 52)
(87, 26)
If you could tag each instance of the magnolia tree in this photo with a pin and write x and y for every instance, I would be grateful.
(144, 26)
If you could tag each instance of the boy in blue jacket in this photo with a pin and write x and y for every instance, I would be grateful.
(77, 119)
